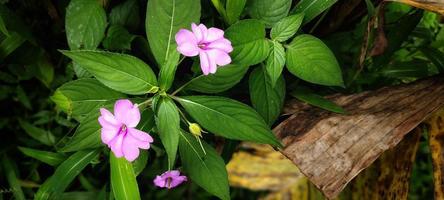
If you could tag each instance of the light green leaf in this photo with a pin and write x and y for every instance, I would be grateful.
(312, 8)
(79, 97)
(234, 10)
(10, 169)
(267, 101)
(118, 38)
(268, 11)
(275, 62)
(168, 72)
(163, 19)
(65, 174)
(120, 72)
(80, 71)
(47, 157)
(228, 118)
(311, 98)
(43, 136)
(285, 28)
(205, 169)
(123, 179)
(225, 78)
(248, 40)
(85, 24)
(126, 14)
(168, 127)
(311, 60)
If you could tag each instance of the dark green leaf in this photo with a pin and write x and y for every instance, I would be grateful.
(163, 19)
(85, 24)
(312, 8)
(269, 12)
(225, 78)
(234, 10)
(118, 38)
(311, 98)
(285, 28)
(65, 174)
(311, 60)
(120, 72)
(275, 62)
(140, 163)
(23, 97)
(123, 179)
(168, 72)
(43, 136)
(14, 183)
(3, 28)
(79, 97)
(126, 14)
(436, 56)
(168, 127)
(205, 169)
(47, 157)
(228, 118)
(248, 40)
(266, 99)
(9, 44)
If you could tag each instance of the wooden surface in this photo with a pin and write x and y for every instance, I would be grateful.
(331, 149)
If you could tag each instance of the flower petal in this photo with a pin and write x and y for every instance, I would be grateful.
(204, 63)
(188, 49)
(116, 145)
(159, 181)
(107, 119)
(200, 32)
(221, 44)
(177, 181)
(107, 134)
(130, 148)
(214, 34)
(140, 135)
(185, 36)
(127, 113)
(219, 57)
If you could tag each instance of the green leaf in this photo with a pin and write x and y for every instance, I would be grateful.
(65, 174)
(168, 72)
(80, 71)
(120, 72)
(10, 44)
(285, 28)
(140, 163)
(311, 60)
(267, 101)
(268, 11)
(435, 56)
(168, 127)
(87, 134)
(234, 10)
(311, 98)
(3, 28)
(228, 118)
(118, 38)
(248, 40)
(275, 62)
(23, 97)
(205, 169)
(10, 169)
(47, 157)
(126, 14)
(43, 136)
(123, 179)
(312, 8)
(79, 97)
(163, 19)
(85, 24)
(45, 72)
(225, 78)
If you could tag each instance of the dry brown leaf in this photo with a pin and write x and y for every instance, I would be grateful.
(432, 5)
(331, 149)
(436, 142)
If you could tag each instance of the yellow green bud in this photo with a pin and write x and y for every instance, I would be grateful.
(195, 129)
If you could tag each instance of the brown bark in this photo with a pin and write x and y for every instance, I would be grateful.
(331, 149)
(436, 143)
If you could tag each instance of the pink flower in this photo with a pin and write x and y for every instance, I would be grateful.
(119, 133)
(209, 44)
(169, 179)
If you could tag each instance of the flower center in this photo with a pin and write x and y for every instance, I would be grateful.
(168, 182)
(203, 45)
(123, 129)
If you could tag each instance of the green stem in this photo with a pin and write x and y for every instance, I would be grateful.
(220, 9)
(184, 85)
